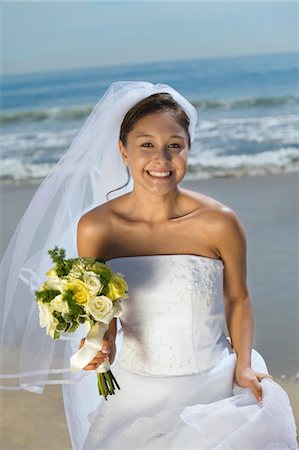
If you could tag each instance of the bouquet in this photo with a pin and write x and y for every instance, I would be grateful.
(82, 291)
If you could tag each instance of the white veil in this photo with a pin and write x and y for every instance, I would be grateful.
(80, 181)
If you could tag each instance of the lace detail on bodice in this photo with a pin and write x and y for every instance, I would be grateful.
(173, 319)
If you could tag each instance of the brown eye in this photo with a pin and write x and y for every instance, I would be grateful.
(146, 144)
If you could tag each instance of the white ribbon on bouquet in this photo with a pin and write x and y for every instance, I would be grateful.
(94, 342)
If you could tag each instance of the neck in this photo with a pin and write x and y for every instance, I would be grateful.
(152, 208)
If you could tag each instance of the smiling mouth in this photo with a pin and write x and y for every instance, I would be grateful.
(158, 174)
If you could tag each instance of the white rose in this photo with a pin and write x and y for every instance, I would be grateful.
(59, 304)
(56, 283)
(46, 318)
(100, 308)
(93, 282)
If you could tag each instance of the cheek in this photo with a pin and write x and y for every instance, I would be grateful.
(142, 159)
(139, 164)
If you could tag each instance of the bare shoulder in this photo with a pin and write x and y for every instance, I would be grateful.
(94, 230)
(217, 221)
(207, 206)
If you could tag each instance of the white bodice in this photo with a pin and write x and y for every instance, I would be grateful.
(173, 320)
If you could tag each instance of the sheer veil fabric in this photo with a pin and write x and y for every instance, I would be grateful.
(80, 180)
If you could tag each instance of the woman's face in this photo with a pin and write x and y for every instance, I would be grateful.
(157, 143)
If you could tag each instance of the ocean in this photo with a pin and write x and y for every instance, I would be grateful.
(247, 113)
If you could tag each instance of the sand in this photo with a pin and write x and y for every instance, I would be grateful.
(267, 205)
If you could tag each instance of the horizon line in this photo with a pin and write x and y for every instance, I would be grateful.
(121, 65)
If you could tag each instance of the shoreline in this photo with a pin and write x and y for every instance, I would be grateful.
(295, 172)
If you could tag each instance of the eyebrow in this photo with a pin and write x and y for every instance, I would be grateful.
(150, 135)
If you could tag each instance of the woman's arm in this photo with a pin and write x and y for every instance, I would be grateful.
(232, 246)
(231, 243)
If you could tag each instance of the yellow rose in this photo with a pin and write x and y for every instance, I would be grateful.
(51, 273)
(117, 287)
(80, 290)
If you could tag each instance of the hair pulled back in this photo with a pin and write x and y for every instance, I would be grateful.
(160, 102)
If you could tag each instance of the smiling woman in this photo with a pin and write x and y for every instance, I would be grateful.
(173, 324)
(167, 135)
(159, 156)
(183, 254)
(161, 102)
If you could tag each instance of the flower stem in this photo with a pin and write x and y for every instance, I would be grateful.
(106, 381)
(114, 379)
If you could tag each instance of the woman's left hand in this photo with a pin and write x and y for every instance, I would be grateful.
(247, 377)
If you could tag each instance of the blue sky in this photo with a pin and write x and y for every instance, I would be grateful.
(42, 36)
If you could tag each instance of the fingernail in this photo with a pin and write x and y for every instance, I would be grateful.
(260, 398)
(105, 350)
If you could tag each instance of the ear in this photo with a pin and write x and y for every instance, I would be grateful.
(123, 152)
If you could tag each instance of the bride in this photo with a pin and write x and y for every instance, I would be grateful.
(184, 383)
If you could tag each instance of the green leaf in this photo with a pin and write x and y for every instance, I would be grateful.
(61, 326)
(56, 334)
(63, 266)
(73, 327)
(47, 295)
(68, 317)
(58, 316)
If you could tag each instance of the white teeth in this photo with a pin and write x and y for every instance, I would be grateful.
(160, 174)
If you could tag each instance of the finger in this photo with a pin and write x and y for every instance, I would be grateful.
(263, 375)
(101, 354)
(105, 347)
(258, 392)
(94, 364)
(99, 360)
(266, 375)
(90, 367)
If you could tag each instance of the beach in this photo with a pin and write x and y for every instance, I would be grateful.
(267, 206)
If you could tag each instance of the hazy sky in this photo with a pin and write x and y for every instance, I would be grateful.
(39, 36)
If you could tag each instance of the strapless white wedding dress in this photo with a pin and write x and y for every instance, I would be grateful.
(175, 367)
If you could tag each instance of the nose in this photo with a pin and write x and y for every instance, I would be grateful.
(163, 154)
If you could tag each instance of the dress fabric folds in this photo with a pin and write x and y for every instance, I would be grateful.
(175, 367)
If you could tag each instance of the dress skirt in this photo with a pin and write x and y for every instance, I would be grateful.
(202, 411)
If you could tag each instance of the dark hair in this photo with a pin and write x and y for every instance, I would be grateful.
(149, 105)
(155, 103)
